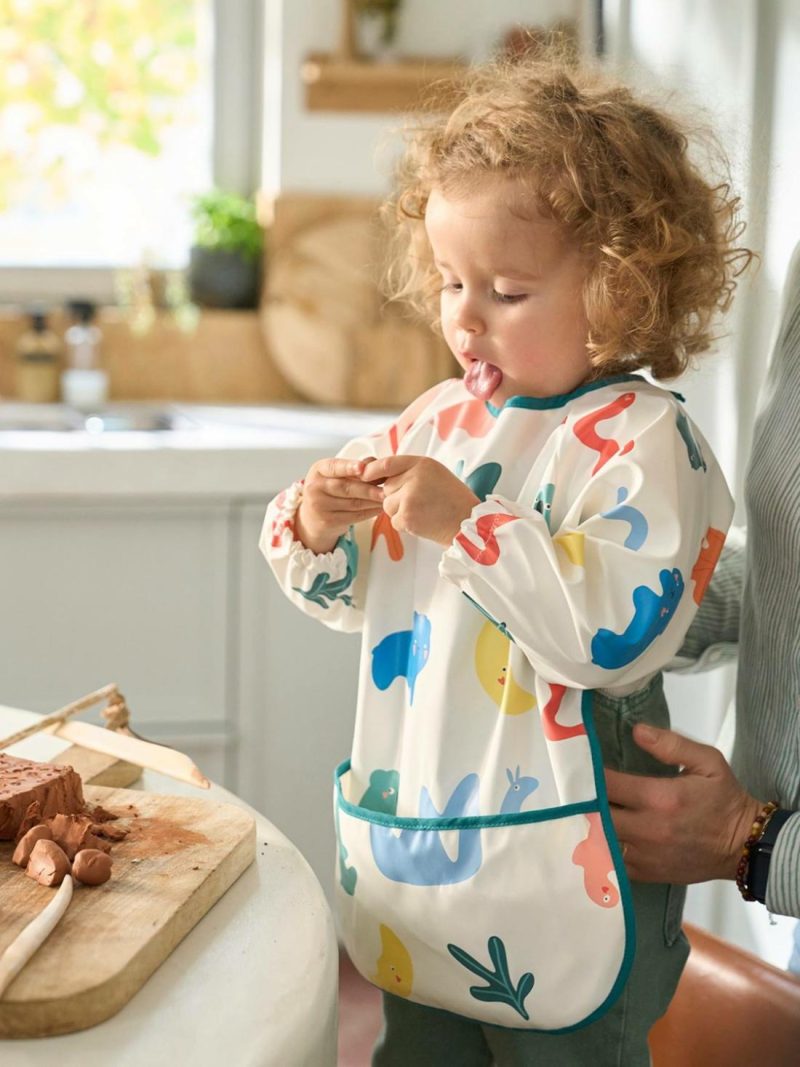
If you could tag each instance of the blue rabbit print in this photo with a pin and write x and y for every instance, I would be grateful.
(418, 857)
(402, 654)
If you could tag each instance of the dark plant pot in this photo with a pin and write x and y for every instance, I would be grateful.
(222, 279)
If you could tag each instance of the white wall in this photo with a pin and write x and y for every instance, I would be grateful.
(353, 153)
(735, 64)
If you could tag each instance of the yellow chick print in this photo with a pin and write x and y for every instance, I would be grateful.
(395, 969)
(492, 651)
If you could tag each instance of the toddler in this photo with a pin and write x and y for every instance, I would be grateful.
(522, 550)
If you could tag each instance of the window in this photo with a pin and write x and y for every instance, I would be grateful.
(112, 114)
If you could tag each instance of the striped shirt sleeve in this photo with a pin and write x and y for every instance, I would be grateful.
(783, 886)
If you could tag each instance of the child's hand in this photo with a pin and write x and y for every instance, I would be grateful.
(421, 496)
(334, 497)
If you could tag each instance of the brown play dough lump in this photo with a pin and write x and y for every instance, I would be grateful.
(74, 832)
(91, 866)
(23, 782)
(22, 853)
(48, 863)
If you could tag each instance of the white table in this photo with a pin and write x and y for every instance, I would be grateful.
(254, 984)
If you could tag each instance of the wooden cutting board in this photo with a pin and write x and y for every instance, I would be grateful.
(180, 856)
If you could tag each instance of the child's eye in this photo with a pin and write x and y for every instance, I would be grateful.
(508, 298)
(451, 287)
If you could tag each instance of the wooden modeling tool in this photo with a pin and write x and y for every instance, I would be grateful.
(116, 739)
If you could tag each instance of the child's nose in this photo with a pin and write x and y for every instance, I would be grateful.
(468, 317)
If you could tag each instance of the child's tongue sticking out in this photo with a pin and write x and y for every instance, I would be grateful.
(482, 379)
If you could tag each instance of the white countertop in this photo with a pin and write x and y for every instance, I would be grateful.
(254, 984)
(218, 451)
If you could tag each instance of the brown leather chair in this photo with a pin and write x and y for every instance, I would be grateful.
(731, 1010)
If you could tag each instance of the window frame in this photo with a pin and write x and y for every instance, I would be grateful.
(236, 151)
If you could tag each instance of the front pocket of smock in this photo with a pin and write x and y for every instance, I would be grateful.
(520, 920)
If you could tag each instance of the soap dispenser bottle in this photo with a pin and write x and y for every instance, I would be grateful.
(38, 362)
(84, 381)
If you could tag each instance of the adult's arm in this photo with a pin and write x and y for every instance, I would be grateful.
(691, 828)
(684, 829)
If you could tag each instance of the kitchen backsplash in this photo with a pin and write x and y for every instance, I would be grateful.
(224, 360)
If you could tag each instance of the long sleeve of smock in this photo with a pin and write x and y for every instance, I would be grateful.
(331, 586)
(604, 599)
(713, 637)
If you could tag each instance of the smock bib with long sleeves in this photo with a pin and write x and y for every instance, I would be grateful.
(478, 868)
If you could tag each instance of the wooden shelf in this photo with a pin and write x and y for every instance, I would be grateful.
(334, 84)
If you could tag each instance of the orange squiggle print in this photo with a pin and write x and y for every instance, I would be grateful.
(706, 562)
(485, 527)
(382, 527)
(473, 417)
(283, 521)
(553, 730)
(584, 430)
(407, 419)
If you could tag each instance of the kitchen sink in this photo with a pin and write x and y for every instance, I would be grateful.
(288, 424)
(111, 418)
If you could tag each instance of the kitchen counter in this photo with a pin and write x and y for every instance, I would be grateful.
(253, 984)
(212, 452)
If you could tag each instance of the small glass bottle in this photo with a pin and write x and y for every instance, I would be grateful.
(84, 381)
(38, 362)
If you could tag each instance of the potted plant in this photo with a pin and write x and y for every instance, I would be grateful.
(225, 258)
(378, 21)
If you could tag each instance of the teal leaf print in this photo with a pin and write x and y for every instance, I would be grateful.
(324, 590)
(500, 986)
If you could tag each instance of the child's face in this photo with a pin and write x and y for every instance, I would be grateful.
(511, 290)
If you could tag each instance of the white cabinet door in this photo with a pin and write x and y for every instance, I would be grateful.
(296, 701)
(127, 592)
(175, 604)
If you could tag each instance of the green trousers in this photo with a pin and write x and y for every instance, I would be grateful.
(418, 1036)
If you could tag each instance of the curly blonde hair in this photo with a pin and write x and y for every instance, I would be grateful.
(658, 239)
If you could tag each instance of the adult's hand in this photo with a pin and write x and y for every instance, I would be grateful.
(685, 829)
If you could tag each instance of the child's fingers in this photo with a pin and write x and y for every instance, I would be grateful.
(377, 470)
(335, 505)
(340, 468)
(350, 489)
(358, 515)
(340, 479)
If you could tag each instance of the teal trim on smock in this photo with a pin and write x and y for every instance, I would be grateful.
(543, 403)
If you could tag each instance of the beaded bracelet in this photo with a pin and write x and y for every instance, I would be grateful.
(756, 833)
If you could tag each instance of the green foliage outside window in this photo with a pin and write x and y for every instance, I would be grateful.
(119, 71)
